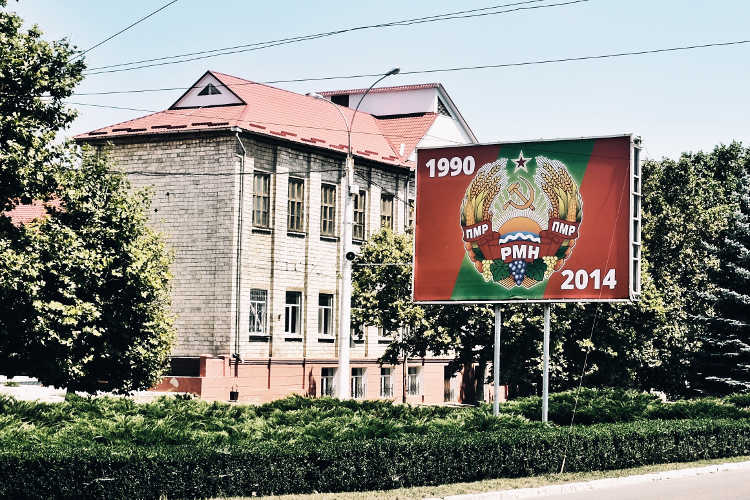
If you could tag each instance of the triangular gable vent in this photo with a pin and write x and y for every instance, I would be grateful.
(208, 91)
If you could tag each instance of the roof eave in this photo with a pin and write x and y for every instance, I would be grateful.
(454, 109)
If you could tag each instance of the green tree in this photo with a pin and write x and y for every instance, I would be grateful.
(686, 202)
(723, 361)
(36, 77)
(84, 292)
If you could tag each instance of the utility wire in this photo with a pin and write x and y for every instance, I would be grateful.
(193, 56)
(445, 70)
(81, 54)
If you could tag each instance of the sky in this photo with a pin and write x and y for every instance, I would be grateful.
(676, 101)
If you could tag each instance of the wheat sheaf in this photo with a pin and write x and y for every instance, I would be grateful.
(560, 189)
(481, 192)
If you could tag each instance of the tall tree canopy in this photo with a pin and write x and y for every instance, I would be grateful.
(84, 291)
(36, 77)
(723, 360)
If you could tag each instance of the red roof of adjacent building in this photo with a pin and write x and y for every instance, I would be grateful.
(22, 214)
(283, 114)
(408, 130)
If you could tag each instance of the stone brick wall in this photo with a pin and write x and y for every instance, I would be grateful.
(193, 183)
(203, 195)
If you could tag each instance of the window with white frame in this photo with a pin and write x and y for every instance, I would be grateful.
(386, 211)
(293, 313)
(295, 215)
(325, 314)
(413, 382)
(261, 200)
(328, 381)
(359, 383)
(258, 311)
(386, 383)
(410, 219)
(359, 227)
(328, 210)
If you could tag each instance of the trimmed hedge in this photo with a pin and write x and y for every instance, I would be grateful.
(101, 471)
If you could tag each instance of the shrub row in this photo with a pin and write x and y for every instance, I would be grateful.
(101, 471)
(624, 405)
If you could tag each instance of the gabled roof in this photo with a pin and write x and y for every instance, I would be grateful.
(284, 115)
(407, 131)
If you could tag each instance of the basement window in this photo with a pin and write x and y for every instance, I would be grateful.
(209, 89)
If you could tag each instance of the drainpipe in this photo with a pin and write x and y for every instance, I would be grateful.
(238, 266)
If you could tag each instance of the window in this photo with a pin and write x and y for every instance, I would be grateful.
(412, 381)
(295, 217)
(449, 393)
(386, 384)
(261, 200)
(386, 211)
(410, 220)
(358, 230)
(209, 89)
(328, 382)
(341, 100)
(293, 313)
(258, 308)
(441, 109)
(325, 314)
(382, 334)
(328, 210)
(359, 385)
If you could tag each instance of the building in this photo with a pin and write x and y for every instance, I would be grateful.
(246, 189)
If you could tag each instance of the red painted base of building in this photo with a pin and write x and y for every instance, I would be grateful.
(263, 380)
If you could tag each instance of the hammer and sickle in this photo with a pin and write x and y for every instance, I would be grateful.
(526, 201)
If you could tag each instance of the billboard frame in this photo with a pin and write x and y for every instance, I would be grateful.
(634, 217)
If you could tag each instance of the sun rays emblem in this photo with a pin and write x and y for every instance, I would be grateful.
(520, 227)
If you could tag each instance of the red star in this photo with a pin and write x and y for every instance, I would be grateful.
(520, 163)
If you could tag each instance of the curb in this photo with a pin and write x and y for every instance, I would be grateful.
(598, 484)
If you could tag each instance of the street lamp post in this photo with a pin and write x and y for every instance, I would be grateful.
(348, 189)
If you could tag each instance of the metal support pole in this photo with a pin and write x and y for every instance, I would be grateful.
(545, 376)
(496, 362)
(346, 284)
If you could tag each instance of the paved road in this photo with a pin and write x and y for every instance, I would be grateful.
(725, 485)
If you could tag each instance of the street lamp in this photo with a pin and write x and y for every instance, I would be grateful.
(348, 188)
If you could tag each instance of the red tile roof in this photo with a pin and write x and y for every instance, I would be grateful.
(22, 214)
(382, 90)
(407, 131)
(283, 114)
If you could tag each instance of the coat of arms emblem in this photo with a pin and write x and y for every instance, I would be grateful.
(520, 227)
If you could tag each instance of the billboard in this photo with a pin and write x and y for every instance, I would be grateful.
(534, 221)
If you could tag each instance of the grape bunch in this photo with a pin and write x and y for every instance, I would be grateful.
(486, 271)
(518, 271)
(551, 261)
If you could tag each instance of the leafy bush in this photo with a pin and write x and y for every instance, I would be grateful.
(594, 406)
(741, 400)
(697, 408)
(29, 470)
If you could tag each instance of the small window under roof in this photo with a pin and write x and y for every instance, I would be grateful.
(341, 100)
(209, 89)
(441, 109)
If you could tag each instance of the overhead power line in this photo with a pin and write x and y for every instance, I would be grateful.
(446, 70)
(81, 54)
(193, 56)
